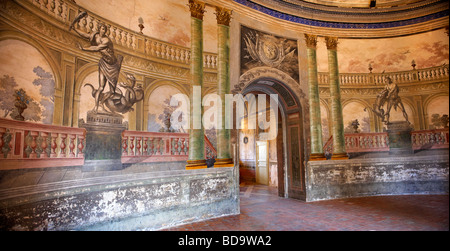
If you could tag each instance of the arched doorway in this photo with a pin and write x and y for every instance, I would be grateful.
(289, 142)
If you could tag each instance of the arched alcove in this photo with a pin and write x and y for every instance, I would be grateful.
(26, 68)
(437, 107)
(290, 139)
(157, 106)
(356, 110)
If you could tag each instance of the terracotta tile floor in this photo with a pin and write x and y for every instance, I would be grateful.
(263, 210)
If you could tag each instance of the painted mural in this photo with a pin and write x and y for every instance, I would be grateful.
(27, 87)
(430, 49)
(388, 54)
(161, 110)
(167, 20)
(356, 118)
(263, 49)
(438, 112)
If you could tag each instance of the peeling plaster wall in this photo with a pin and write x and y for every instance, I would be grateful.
(147, 201)
(369, 177)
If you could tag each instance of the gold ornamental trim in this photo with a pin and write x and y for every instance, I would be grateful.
(311, 41)
(197, 9)
(331, 42)
(223, 16)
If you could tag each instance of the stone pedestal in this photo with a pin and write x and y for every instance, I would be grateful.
(399, 134)
(103, 141)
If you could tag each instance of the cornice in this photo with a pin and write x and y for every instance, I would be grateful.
(347, 4)
(344, 18)
(358, 15)
(342, 25)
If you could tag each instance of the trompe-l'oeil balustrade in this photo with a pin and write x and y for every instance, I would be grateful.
(123, 38)
(33, 145)
(379, 142)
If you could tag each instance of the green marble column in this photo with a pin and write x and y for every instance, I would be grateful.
(224, 157)
(196, 132)
(314, 102)
(335, 96)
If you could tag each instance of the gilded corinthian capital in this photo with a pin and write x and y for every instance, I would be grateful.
(331, 42)
(311, 41)
(197, 9)
(223, 16)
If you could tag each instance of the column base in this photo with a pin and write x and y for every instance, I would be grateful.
(317, 156)
(224, 162)
(338, 156)
(196, 164)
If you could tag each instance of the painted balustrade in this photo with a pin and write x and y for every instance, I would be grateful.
(366, 142)
(64, 11)
(413, 76)
(34, 145)
(379, 142)
(123, 38)
(430, 139)
(146, 147)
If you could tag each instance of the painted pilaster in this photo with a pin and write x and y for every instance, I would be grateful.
(335, 96)
(196, 132)
(68, 67)
(224, 157)
(314, 101)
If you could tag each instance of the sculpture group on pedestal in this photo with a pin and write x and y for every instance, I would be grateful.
(390, 97)
(116, 100)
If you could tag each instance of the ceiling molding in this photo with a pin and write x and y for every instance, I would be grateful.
(425, 16)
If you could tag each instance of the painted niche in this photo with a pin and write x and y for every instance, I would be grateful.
(354, 113)
(160, 110)
(438, 112)
(27, 84)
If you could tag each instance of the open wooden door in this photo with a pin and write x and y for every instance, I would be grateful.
(262, 163)
(296, 166)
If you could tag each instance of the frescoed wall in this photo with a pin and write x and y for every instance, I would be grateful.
(264, 49)
(438, 112)
(355, 112)
(25, 75)
(160, 110)
(388, 54)
(384, 56)
(167, 20)
(45, 62)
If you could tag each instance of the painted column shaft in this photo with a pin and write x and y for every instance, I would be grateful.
(196, 132)
(223, 134)
(335, 96)
(314, 102)
(223, 16)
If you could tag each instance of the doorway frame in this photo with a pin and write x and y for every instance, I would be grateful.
(291, 115)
